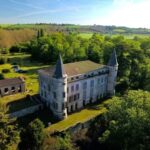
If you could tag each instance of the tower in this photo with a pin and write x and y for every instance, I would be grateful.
(60, 81)
(113, 69)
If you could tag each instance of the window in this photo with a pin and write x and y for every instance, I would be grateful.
(72, 78)
(72, 88)
(98, 81)
(102, 80)
(67, 89)
(6, 90)
(84, 95)
(77, 87)
(75, 97)
(91, 92)
(92, 83)
(55, 105)
(19, 89)
(63, 106)
(77, 77)
(13, 89)
(54, 94)
(84, 85)
(63, 94)
(49, 88)
(69, 99)
(45, 94)
(78, 96)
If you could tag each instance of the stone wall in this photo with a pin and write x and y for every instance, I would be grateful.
(78, 126)
(26, 111)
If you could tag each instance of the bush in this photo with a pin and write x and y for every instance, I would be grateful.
(5, 70)
(1, 76)
(33, 136)
(3, 61)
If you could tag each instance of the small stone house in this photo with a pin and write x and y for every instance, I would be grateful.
(65, 88)
(11, 86)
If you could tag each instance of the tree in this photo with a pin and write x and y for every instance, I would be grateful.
(128, 122)
(32, 137)
(8, 131)
(64, 143)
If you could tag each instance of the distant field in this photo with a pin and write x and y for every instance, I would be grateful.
(128, 36)
(86, 35)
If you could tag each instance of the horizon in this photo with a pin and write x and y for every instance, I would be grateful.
(123, 13)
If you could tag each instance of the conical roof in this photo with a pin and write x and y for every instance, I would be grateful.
(59, 68)
(113, 59)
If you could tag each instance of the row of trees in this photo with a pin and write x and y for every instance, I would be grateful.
(133, 54)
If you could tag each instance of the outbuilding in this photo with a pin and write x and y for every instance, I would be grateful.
(11, 86)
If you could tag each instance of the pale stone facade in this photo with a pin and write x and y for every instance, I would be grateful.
(66, 88)
(11, 86)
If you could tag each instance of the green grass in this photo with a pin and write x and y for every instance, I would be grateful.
(86, 35)
(79, 117)
(31, 77)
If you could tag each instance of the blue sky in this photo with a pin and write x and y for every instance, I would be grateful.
(132, 13)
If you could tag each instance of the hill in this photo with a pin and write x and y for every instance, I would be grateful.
(11, 34)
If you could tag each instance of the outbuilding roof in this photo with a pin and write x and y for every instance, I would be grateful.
(11, 81)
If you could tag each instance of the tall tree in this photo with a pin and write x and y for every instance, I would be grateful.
(8, 130)
(32, 137)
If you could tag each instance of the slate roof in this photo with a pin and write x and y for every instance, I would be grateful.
(59, 68)
(11, 81)
(81, 67)
(75, 68)
(113, 59)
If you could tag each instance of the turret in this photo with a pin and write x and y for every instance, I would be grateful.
(113, 69)
(60, 81)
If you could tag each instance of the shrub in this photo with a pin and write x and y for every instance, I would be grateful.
(5, 70)
(3, 60)
(33, 136)
(1, 76)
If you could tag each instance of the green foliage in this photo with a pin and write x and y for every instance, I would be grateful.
(5, 70)
(128, 122)
(8, 131)
(1, 76)
(64, 143)
(3, 60)
(133, 55)
(32, 137)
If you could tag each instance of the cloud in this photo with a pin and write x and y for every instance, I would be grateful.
(132, 13)
(26, 4)
(48, 11)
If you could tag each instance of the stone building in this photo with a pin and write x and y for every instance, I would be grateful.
(11, 86)
(66, 88)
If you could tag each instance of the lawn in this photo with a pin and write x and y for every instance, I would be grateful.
(31, 77)
(79, 117)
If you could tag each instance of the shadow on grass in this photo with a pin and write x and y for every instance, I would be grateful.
(45, 115)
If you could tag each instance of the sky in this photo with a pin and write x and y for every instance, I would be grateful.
(130, 13)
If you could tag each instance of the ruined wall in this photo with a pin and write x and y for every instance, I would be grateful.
(26, 111)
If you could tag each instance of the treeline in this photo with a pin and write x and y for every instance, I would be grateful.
(9, 38)
(133, 54)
